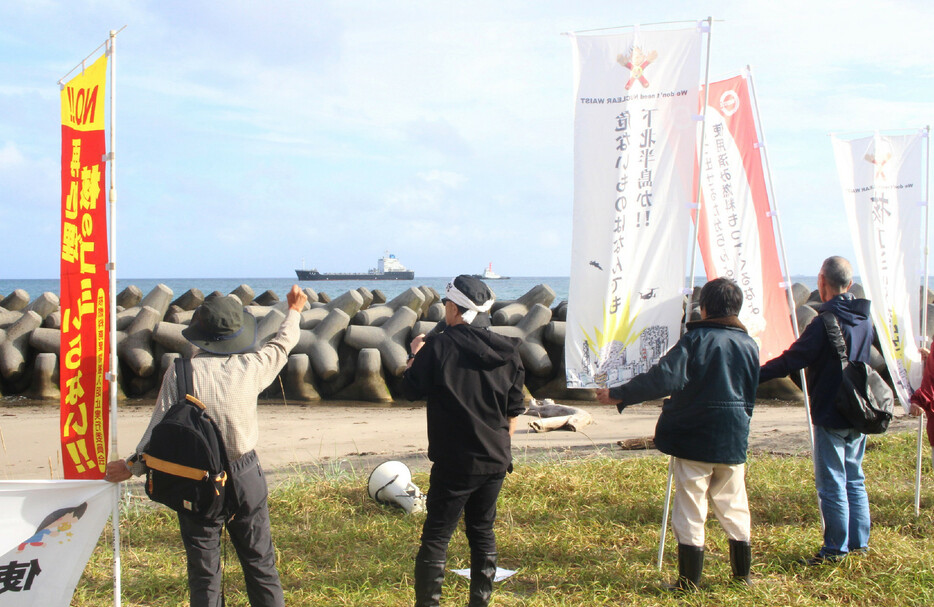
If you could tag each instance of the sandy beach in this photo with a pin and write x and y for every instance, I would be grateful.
(359, 436)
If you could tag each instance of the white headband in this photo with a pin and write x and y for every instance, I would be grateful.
(452, 293)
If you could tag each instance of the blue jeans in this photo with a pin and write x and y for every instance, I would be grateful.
(841, 488)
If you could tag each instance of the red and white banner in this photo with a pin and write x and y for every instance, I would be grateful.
(84, 280)
(734, 230)
(881, 179)
(634, 140)
(48, 530)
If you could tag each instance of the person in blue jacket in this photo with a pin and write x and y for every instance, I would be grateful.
(711, 375)
(838, 447)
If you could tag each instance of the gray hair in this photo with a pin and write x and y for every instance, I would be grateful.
(837, 272)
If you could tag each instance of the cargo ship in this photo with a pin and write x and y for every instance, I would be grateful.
(388, 268)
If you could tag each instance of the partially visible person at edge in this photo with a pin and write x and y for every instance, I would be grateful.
(472, 379)
(228, 376)
(838, 446)
(711, 375)
(922, 400)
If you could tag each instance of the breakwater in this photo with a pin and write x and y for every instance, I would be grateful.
(353, 346)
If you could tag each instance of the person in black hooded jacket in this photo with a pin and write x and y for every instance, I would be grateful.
(711, 375)
(472, 380)
(838, 447)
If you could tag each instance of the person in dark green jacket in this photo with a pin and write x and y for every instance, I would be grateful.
(711, 375)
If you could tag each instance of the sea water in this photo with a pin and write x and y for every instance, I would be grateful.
(505, 289)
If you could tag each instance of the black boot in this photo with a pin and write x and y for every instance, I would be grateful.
(690, 566)
(482, 572)
(429, 576)
(741, 561)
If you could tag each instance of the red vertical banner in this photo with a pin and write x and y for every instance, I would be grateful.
(85, 294)
(735, 233)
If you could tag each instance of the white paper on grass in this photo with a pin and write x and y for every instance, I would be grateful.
(501, 574)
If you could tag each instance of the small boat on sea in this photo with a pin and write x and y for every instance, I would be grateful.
(489, 274)
(388, 268)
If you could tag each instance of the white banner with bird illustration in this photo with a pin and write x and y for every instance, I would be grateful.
(635, 130)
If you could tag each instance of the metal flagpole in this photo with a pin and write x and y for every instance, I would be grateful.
(924, 308)
(781, 245)
(689, 290)
(111, 266)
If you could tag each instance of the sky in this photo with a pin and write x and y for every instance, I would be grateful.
(254, 135)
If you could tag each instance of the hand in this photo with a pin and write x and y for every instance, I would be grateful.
(915, 411)
(417, 343)
(924, 354)
(117, 471)
(603, 395)
(297, 299)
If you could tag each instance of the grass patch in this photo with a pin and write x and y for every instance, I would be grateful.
(580, 532)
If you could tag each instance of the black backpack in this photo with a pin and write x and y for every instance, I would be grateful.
(186, 460)
(864, 398)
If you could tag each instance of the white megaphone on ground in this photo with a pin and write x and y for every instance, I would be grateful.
(391, 483)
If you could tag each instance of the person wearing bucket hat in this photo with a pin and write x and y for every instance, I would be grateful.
(229, 373)
(473, 382)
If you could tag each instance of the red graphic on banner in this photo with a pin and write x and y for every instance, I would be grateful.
(636, 62)
(85, 349)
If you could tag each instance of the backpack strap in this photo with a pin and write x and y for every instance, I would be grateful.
(184, 377)
(832, 325)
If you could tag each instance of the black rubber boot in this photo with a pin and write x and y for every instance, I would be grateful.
(429, 575)
(741, 561)
(482, 572)
(690, 566)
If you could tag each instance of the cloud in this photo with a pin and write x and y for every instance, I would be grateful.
(10, 156)
(449, 179)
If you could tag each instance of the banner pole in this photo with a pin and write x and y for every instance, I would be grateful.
(661, 539)
(700, 158)
(112, 376)
(773, 203)
(924, 308)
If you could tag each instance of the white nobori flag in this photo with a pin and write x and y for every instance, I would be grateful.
(634, 142)
(881, 180)
(48, 530)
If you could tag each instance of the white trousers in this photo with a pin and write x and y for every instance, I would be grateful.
(724, 484)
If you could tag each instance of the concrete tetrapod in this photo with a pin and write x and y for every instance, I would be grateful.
(349, 303)
(14, 345)
(189, 300)
(244, 293)
(512, 313)
(369, 384)
(158, 299)
(367, 297)
(45, 304)
(389, 338)
(311, 294)
(178, 315)
(266, 298)
(299, 380)
(129, 297)
(7, 317)
(412, 298)
(44, 385)
(53, 320)
(136, 349)
(169, 336)
(530, 330)
(320, 343)
(15, 301)
(46, 340)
